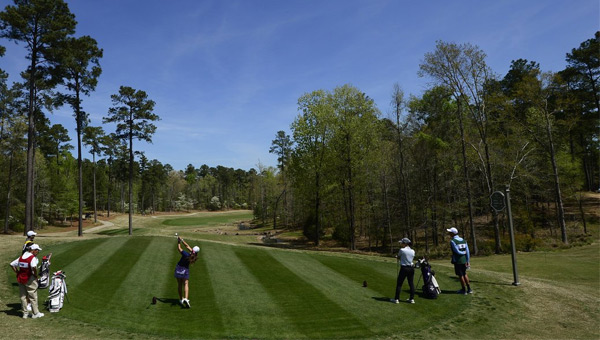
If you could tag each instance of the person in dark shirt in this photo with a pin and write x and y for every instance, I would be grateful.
(182, 270)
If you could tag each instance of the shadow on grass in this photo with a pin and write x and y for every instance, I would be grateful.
(171, 301)
(381, 299)
(112, 232)
(389, 300)
(491, 283)
(456, 279)
(14, 309)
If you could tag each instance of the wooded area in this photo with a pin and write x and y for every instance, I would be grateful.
(346, 172)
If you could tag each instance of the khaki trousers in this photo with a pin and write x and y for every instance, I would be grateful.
(29, 290)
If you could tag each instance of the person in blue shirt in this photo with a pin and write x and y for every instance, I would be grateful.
(461, 259)
(407, 270)
(182, 270)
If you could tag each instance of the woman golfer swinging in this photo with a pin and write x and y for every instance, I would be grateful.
(182, 270)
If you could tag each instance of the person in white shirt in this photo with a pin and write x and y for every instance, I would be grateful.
(407, 270)
(26, 269)
(29, 241)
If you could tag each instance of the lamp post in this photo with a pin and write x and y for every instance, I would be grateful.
(513, 252)
(499, 201)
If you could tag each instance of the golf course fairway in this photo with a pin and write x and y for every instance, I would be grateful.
(250, 291)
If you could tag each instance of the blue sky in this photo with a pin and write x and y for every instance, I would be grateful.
(226, 75)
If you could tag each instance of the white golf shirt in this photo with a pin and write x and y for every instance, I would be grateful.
(26, 255)
(406, 256)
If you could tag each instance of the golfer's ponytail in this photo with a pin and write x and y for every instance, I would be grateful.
(193, 257)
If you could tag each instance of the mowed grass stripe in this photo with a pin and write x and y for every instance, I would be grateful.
(101, 285)
(146, 278)
(359, 270)
(151, 277)
(65, 254)
(247, 308)
(204, 308)
(363, 302)
(85, 259)
(313, 314)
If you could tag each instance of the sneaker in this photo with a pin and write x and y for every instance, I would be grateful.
(181, 302)
(38, 315)
(29, 307)
(410, 301)
(25, 315)
(394, 301)
(186, 303)
(470, 291)
(462, 291)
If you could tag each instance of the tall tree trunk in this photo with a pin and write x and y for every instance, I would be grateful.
(29, 197)
(122, 186)
(434, 218)
(94, 185)
(351, 212)
(79, 166)
(154, 202)
(8, 192)
(317, 206)
(490, 179)
(581, 212)
(388, 216)
(131, 180)
(467, 178)
(558, 196)
(109, 191)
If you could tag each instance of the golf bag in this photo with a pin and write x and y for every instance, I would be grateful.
(57, 292)
(431, 289)
(44, 279)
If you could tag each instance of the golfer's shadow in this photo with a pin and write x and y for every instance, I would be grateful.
(172, 302)
(381, 299)
(14, 309)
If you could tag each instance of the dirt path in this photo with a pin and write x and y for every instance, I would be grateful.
(105, 224)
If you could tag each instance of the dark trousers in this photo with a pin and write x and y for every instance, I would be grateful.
(406, 272)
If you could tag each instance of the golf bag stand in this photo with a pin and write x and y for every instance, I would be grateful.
(431, 289)
(57, 292)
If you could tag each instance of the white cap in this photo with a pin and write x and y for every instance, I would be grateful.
(452, 230)
(31, 233)
(35, 247)
(405, 241)
(196, 249)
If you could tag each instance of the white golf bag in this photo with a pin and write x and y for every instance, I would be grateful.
(57, 292)
(44, 279)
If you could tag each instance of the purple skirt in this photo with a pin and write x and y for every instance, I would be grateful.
(182, 272)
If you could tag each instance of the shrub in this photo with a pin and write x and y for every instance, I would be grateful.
(486, 247)
(184, 203)
(522, 243)
(341, 234)
(41, 222)
(215, 204)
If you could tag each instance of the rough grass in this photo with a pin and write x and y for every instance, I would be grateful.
(210, 219)
(240, 291)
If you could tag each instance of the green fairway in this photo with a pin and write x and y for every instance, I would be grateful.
(243, 291)
(248, 292)
(234, 290)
